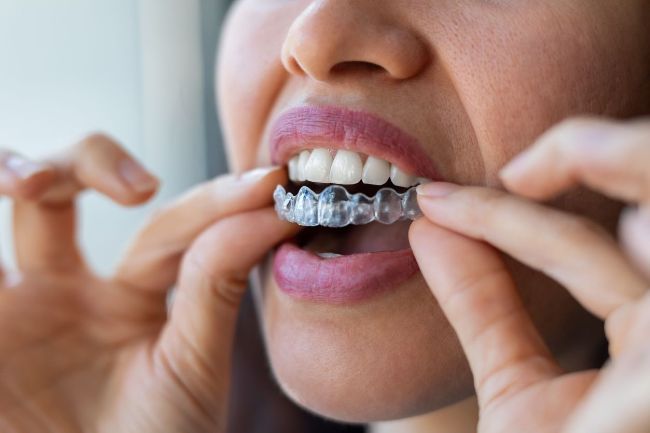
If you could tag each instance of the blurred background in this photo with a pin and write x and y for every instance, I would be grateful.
(140, 70)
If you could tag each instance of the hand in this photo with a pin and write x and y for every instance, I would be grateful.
(520, 386)
(84, 353)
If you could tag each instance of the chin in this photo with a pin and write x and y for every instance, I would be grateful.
(386, 357)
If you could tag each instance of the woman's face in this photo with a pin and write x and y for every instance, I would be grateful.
(470, 83)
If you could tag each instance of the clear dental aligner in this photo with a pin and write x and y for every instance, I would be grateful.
(336, 207)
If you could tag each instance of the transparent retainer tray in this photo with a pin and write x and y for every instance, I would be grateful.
(336, 207)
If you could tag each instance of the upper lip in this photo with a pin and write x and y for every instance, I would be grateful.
(332, 127)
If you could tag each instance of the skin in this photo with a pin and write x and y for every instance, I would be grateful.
(477, 67)
(512, 366)
(78, 352)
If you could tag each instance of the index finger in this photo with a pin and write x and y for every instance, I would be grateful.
(475, 291)
(195, 346)
(608, 156)
(573, 250)
(44, 224)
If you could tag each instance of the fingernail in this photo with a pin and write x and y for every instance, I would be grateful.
(436, 189)
(23, 168)
(258, 173)
(137, 176)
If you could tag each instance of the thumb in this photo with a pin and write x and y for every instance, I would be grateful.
(477, 294)
(196, 344)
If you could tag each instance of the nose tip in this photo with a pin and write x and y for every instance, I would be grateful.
(331, 38)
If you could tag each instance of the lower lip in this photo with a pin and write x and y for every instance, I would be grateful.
(342, 280)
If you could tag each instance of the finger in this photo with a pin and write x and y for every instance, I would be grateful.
(573, 250)
(44, 224)
(151, 263)
(22, 178)
(620, 400)
(475, 291)
(100, 163)
(628, 327)
(634, 232)
(196, 344)
(613, 158)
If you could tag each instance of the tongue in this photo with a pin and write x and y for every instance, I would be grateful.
(368, 238)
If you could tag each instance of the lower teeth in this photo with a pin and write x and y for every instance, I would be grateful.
(329, 255)
(336, 207)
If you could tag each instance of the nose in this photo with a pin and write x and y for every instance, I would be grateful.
(332, 37)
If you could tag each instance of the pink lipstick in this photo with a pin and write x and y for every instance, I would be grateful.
(304, 275)
(340, 128)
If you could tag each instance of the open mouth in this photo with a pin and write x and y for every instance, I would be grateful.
(350, 203)
(351, 186)
(359, 191)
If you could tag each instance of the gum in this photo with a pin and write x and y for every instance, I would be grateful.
(336, 207)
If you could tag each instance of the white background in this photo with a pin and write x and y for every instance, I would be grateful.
(135, 69)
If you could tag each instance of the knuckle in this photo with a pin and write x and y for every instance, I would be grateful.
(182, 369)
(26, 191)
(224, 286)
(96, 140)
(578, 230)
(229, 290)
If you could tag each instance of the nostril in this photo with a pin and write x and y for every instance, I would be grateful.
(293, 66)
(350, 67)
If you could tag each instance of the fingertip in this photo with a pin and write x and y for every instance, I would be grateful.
(101, 163)
(137, 178)
(132, 199)
(515, 170)
(125, 181)
(418, 230)
(273, 172)
(634, 232)
(418, 236)
(267, 220)
(259, 181)
(436, 189)
(427, 239)
(237, 192)
(524, 179)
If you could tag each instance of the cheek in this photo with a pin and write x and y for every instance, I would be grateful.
(250, 75)
(519, 71)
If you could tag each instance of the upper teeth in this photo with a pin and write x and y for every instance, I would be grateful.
(347, 168)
